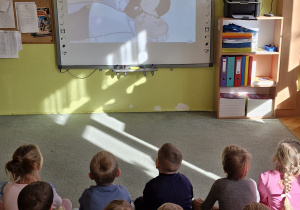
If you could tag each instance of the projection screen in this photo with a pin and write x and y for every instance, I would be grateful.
(107, 33)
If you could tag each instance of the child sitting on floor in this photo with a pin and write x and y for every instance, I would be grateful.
(169, 185)
(25, 168)
(103, 169)
(280, 188)
(170, 206)
(36, 196)
(118, 205)
(234, 191)
(255, 206)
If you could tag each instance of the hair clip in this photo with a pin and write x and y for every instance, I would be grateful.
(286, 195)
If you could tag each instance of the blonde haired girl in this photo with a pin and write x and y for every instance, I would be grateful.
(23, 169)
(280, 188)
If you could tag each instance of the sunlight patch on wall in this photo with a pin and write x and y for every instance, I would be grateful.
(264, 109)
(283, 95)
(182, 107)
(121, 150)
(101, 108)
(67, 99)
(108, 82)
(157, 108)
(130, 89)
(111, 101)
(74, 105)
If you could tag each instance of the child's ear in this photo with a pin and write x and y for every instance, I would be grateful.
(91, 177)
(156, 164)
(118, 173)
(39, 166)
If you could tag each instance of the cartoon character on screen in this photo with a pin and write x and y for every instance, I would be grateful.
(155, 28)
(156, 8)
(135, 16)
(134, 8)
(146, 15)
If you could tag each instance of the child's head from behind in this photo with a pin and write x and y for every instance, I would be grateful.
(26, 160)
(287, 161)
(170, 206)
(168, 158)
(104, 168)
(255, 206)
(118, 205)
(287, 157)
(36, 196)
(236, 162)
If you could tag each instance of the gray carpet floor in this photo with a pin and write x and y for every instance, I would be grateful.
(68, 142)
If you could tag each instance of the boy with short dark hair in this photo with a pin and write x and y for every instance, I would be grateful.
(36, 196)
(103, 169)
(169, 186)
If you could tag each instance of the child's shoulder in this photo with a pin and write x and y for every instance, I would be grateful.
(270, 173)
(183, 176)
(52, 185)
(175, 176)
(121, 187)
(226, 181)
(108, 188)
(172, 175)
(2, 185)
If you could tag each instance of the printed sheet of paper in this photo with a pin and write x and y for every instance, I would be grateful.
(10, 44)
(27, 19)
(7, 19)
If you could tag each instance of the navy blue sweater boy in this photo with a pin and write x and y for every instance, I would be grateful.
(169, 185)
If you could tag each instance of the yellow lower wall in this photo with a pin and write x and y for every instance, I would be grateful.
(32, 84)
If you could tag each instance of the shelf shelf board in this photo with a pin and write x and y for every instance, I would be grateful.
(266, 63)
(264, 52)
(244, 117)
(258, 18)
(250, 86)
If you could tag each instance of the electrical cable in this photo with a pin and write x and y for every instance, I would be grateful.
(271, 7)
(76, 77)
(262, 5)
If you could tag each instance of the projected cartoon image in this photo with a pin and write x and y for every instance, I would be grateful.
(123, 20)
(156, 28)
(134, 8)
(133, 32)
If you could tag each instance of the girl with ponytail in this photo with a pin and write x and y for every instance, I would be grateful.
(280, 188)
(25, 168)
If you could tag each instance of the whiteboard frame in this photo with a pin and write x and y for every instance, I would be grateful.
(100, 67)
